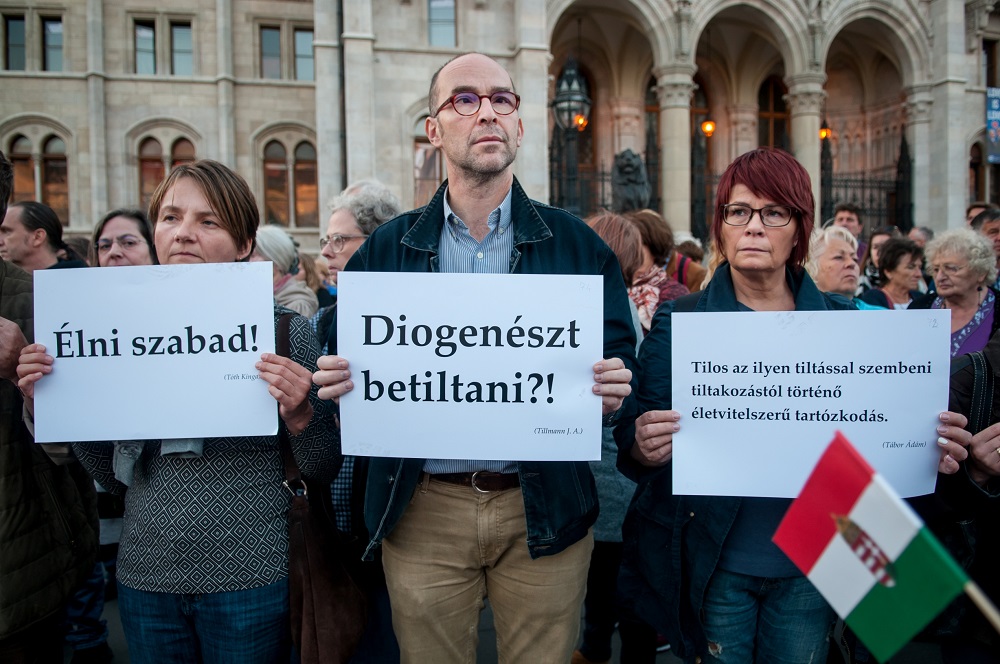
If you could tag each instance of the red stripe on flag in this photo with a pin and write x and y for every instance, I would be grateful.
(836, 483)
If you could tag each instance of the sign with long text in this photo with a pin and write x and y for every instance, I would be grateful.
(761, 394)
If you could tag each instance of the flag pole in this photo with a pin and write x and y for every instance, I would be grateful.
(983, 603)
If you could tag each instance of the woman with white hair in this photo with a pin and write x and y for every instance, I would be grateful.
(275, 245)
(833, 263)
(963, 266)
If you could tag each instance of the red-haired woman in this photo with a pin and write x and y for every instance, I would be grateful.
(702, 569)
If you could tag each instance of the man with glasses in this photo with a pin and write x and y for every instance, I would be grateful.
(454, 532)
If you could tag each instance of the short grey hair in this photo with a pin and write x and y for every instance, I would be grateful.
(277, 246)
(818, 242)
(968, 244)
(370, 203)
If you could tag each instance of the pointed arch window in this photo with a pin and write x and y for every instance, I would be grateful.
(772, 113)
(24, 170)
(151, 169)
(306, 186)
(55, 181)
(275, 184)
(182, 152)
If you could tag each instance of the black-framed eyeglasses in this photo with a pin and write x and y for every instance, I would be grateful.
(126, 242)
(337, 241)
(468, 103)
(772, 216)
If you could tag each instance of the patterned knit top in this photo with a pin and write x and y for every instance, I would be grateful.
(216, 522)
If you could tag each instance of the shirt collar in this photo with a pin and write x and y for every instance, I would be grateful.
(499, 218)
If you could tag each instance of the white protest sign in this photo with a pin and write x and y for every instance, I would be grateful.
(154, 352)
(762, 393)
(471, 366)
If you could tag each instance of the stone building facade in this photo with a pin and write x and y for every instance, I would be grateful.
(101, 98)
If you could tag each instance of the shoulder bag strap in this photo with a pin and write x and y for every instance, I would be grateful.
(282, 346)
(982, 393)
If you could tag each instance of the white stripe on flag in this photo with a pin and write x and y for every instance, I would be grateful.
(840, 574)
(841, 577)
(889, 521)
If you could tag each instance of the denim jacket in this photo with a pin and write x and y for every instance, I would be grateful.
(560, 498)
(672, 544)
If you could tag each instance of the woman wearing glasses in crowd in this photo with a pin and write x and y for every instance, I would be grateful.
(741, 599)
(123, 237)
(963, 265)
(203, 562)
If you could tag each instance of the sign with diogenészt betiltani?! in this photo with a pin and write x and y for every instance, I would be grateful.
(471, 366)
(159, 351)
(761, 394)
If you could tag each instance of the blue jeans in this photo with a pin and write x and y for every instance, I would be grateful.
(756, 619)
(213, 628)
(84, 626)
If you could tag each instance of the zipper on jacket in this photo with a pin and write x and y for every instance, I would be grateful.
(381, 524)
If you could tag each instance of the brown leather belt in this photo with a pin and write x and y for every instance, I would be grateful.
(481, 480)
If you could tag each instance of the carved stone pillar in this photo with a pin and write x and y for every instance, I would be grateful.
(919, 101)
(805, 102)
(674, 87)
(628, 126)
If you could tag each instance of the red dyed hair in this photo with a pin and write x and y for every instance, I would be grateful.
(777, 175)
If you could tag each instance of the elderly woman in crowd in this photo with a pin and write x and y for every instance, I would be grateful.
(123, 237)
(833, 263)
(963, 266)
(354, 214)
(275, 245)
(703, 569)
(900, 268)
(188, 592)
(651, 285)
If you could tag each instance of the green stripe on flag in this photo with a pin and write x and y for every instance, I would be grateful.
(926, 581)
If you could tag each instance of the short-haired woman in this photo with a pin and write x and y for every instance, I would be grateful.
(900, 268)
(703, 569)
(203, 563)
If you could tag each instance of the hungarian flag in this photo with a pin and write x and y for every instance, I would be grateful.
(867, 552)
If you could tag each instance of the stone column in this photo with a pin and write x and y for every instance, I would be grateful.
(949, 169)
(224, 83)
(674, 87)
(919, 100)
(628, 126)
(36, 163)
(358, 40)
(329, 119)
(805, 101)
(530, 71)
(96, 118)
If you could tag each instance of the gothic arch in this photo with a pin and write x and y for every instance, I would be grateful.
(906, 35)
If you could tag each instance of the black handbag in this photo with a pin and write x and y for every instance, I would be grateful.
(328, 609)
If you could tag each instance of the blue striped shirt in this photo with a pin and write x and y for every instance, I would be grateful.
(458, 251)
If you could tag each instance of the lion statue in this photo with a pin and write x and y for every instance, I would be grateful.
(630, 188)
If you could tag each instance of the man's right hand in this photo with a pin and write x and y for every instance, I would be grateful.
(11, 342)
(32, 365)
(333, 377)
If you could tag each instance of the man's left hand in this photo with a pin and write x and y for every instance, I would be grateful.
(611, 380)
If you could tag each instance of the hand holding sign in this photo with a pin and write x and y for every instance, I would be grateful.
(612, 383)
(33, 363)
(333, 377)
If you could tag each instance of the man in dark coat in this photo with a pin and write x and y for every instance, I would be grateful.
(48, 513)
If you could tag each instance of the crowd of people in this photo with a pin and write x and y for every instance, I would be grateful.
(202, 567)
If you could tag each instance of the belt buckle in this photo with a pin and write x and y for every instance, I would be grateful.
(474, 483)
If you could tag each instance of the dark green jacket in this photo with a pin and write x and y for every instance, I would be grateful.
(48, 513)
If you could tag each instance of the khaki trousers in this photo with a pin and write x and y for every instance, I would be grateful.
(455, 546)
